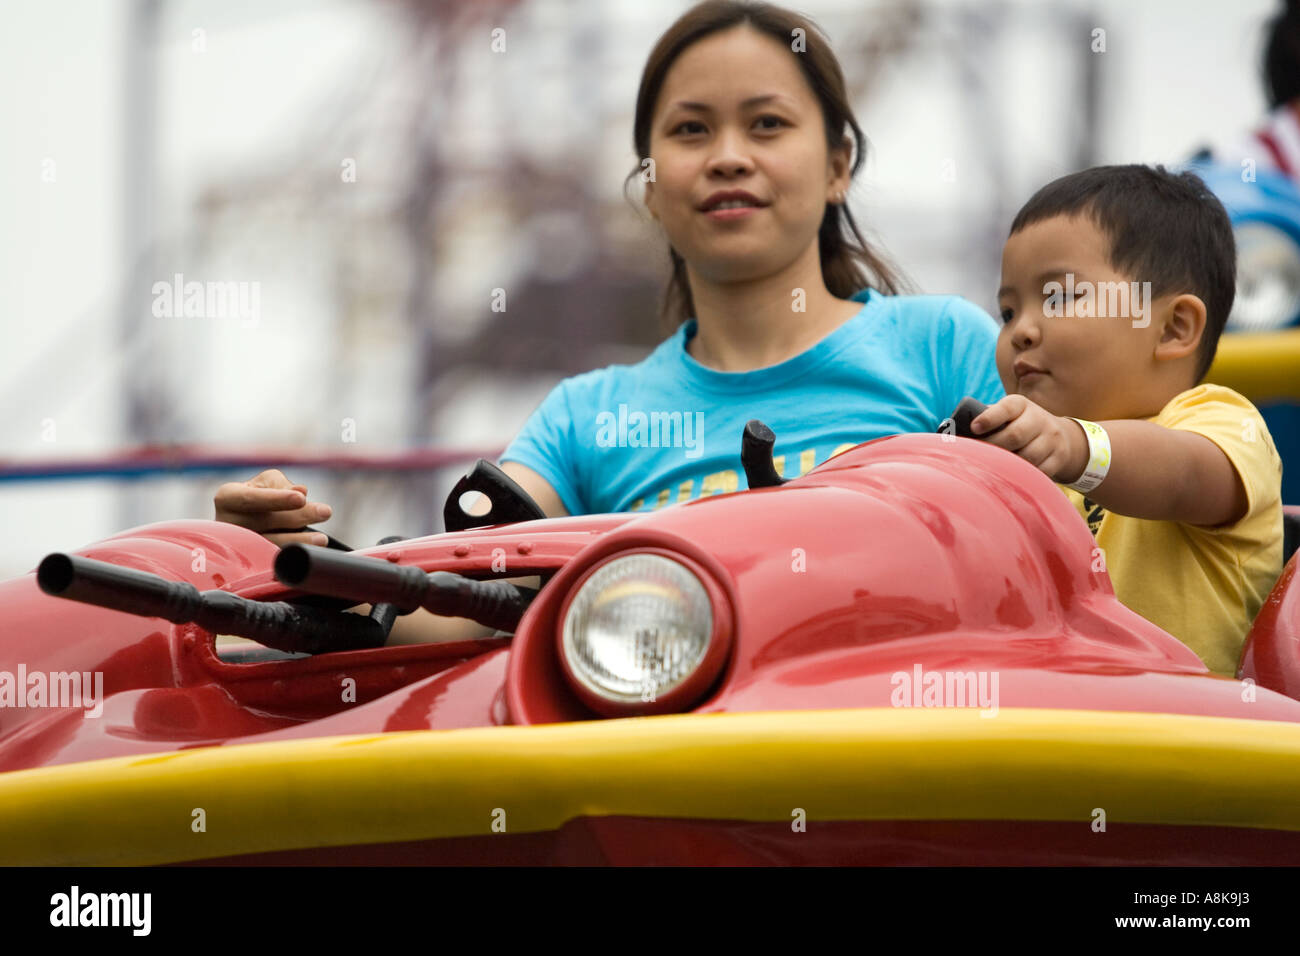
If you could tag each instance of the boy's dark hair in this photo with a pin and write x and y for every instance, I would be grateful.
(1164, 228)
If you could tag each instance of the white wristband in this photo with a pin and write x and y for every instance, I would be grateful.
(1098, 457)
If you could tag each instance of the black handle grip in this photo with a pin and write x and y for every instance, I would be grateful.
(958, 423)
(117, 588)
(510, 503)
(756, 444)
(495, 604)
(352, 576)
(277, 624)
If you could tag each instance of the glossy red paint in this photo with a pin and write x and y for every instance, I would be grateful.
(1271, 656)
(908, 552)
(917, 552)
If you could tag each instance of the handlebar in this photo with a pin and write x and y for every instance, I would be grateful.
(495, 604)
(277, 624)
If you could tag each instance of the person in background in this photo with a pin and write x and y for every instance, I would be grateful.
(1275, 144)
(1259, 173)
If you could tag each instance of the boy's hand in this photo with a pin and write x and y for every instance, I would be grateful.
(1056, 446)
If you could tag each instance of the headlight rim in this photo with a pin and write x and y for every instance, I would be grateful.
(690, 691)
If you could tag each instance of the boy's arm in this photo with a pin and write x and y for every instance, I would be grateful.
(1163, 474)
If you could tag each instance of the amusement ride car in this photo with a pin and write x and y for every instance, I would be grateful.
(908, 655)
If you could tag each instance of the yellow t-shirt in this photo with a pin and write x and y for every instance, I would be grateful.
(1202, 585)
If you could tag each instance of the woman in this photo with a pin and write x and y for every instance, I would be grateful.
(742, 128)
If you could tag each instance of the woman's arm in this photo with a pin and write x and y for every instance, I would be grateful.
(538, 488)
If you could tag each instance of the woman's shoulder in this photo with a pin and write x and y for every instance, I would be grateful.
(936, 318)
(937, 308)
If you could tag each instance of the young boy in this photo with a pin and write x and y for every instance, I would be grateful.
(1116, 284)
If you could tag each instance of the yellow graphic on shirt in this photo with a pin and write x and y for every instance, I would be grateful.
(1093, 513)
(728, 480)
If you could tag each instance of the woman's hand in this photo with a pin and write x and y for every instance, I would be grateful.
(270, 501)
(1054, 445)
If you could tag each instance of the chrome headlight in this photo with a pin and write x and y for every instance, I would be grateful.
(1268, 279)
(640, 628)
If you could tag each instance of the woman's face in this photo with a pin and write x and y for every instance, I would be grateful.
(735, 113)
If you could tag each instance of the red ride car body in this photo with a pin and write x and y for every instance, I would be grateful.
(905, 555)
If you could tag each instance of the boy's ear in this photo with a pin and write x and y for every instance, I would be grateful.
(1182, 329)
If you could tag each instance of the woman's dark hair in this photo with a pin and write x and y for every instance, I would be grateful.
(1282, 56)
(848, 263)
(1165, 228)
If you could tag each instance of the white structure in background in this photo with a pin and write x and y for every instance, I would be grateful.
(968, 110)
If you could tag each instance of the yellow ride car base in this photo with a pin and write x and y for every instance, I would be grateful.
(870, 764)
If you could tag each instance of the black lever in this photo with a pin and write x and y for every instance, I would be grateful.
(958, 423)
(331, 541)
(495, 604)
(384, 614)
(510, 503)
(756, 444)
(277, 624)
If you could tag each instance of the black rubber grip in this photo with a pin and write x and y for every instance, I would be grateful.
(495, 604)
(958, 423)
(278, 624)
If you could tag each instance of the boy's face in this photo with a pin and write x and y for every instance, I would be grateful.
(1080, 358)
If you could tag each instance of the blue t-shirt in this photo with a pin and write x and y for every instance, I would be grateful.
(666, 430)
